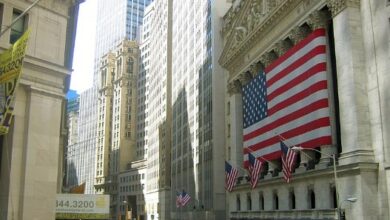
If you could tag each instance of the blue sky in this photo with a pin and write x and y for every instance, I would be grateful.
(84, 47)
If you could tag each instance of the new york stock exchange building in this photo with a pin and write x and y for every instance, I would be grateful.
(308, 78)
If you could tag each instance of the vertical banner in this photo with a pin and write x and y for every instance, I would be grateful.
(11, 62)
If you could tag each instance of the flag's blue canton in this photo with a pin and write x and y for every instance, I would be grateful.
(228, 167)
(252, 159)
(284, 148)
(255, 100)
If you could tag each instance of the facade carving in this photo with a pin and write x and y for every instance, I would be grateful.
(336, 6)
(234, 87)
(299, 33)
(317, 19)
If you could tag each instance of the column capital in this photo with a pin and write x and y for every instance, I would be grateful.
(254, 69)
(245, 77)
(234, 87)
(299, 33)
(317, 19)
(267, 58)
(337, 6)
(282, 46)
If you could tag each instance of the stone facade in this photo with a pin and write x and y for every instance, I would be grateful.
(257, 32)
(31, 153)
(116, 119)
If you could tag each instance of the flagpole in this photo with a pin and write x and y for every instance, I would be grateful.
(291, 145)
(251, 151)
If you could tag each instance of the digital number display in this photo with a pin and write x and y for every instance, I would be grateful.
(75, 204)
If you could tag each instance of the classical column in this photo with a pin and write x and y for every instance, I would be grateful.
(236, 123)
(352, 82)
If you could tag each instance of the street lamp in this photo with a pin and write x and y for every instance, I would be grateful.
(333, 156)
(351, 200)
(126, 209)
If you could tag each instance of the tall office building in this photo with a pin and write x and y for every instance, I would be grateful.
(72, 115)
(112, 28)
(116, 140)
(198, 110)
(142, 84)
(159, 112)
(84, 150)
(117, 20)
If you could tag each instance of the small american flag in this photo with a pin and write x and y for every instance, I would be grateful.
(231, 174)
(254, 168)
(290, 99)
(288, 161)
(185, 198)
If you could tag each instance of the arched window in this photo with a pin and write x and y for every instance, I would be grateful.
(292, 199)
(238, 202)
(261, 201)
(312, 198)
(333, 196)
(276, 200)
(249, 202)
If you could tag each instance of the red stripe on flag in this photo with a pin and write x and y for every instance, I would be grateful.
(317, 69)
(316, 33)
(283, 120)
(298, 63)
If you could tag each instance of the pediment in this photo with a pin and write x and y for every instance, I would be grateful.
(245, 23)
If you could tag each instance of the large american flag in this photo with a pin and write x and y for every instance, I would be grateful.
(289, 99)
(288, 161)
(254, 168)
(231, 174)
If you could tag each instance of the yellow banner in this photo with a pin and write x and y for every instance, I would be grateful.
(11, 62)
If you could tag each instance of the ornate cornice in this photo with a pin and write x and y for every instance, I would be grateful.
(337, 6)
(253, 20)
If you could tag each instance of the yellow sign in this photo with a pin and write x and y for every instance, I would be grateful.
(11, 62)
(82, 206)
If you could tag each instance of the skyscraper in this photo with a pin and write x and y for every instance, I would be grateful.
(116, 119)
(116, 20)
(111, 30)
(159, 112)
(198, 110)
(84, 150)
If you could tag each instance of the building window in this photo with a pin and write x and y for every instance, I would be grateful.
(238, 203)
(261, 201)
(248, 202)
(312, 198)
(333, 196)
(1, 14)
(276, 201)
(18, 28)
(292, 199)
